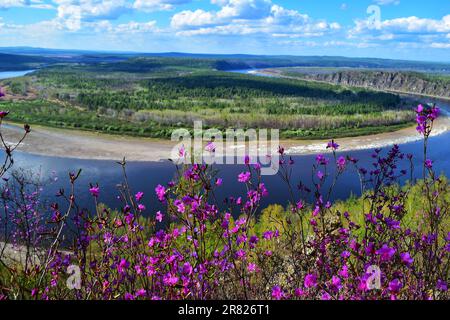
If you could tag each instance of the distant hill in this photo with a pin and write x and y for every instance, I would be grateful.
(221, 61)
(12, 62)
(332, 62)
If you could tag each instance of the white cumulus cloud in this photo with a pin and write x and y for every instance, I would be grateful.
(158, 5)
(5, 4)
(386, 2)
(242, 17)
(72, 13)
(405, 25)
(405, 31)
(36, 4)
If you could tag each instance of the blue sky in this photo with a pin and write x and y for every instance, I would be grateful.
(402, 29)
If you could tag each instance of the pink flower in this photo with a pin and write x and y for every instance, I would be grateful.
(316, 211)
(344, 272)
(251, 267)
(138, 269)
(321, 160)
(395, 286)
(336, 282)
(434, 113)
(108, 238)
(310, 281)
(170, 279)
(299, 292)
(263, 190)
(268, 235)
(141, 293)
(244, 177)
(420, 128)
(425, 115)
(128, 296)
(95, 191)
(429, 163)
(123, 265)
(139, 196)
(240, 254)
(160, 192)
(333, 145)
(187, 269)
(180, 206)
(141, 207)
(326, 296)
(277, 293)
(385, 252)
(341, 163)
(406, 258)
(320, 175)
(159, 216)
(219, 182)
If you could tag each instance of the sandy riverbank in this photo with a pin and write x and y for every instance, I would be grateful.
(13, 255)
(381, 140)
(88, 145)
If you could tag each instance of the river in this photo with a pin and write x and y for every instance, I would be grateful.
(145, 176)
(13, 74)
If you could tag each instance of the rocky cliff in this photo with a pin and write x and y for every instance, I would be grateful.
(410, 82)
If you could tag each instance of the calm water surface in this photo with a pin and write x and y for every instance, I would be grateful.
(145, 176)
(13, 74)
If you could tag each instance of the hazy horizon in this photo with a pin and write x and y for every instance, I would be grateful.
(202, 53)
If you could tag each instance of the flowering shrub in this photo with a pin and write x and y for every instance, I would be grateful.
(385, 249)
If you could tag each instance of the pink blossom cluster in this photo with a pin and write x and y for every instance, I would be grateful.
(197, 248)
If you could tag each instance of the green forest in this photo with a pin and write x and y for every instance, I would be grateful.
(149, 96)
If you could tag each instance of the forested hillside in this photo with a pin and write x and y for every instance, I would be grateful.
(9, 62)
(151, 96)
